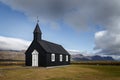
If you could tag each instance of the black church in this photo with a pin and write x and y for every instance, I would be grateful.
(44, 53)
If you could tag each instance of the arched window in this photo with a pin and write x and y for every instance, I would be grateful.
(52, 57)
(67, 58)
(61, 58)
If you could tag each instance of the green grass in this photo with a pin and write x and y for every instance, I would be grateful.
(71, 72)
(113, 71)
(97, 63)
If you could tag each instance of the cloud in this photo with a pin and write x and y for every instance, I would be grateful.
(79, 14)
(74, 51)
(75, 13)
(7, 43)
(80, 52)
(107, 42)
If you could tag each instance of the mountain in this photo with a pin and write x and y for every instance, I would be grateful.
(75, 56)
(11, 55)
(99, 58)
(80, 57)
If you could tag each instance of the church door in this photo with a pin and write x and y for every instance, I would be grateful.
(34, 58)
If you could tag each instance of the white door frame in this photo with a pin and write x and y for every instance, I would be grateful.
(35, 58)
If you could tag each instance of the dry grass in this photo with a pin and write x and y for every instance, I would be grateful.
(96, 63)
(72, 72)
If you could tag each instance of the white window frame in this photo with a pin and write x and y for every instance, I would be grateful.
(53, 57)
(67, 58)
(61, 57)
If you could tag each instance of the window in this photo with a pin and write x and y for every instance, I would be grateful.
(66, 57)
(60, 58)
(52, 57)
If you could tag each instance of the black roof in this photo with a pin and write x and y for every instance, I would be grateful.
(52, 47)
(37, 29)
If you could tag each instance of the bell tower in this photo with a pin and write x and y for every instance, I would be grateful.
(37, 32)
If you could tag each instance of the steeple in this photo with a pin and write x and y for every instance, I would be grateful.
(37, 33)
(37, 29)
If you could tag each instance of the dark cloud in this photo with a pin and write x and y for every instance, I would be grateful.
(76, 13)
(107, 42)
(79, 14)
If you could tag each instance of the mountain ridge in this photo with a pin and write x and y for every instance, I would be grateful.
(80, 57)
(19, 55)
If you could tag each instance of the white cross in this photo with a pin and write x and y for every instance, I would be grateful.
(37, 19)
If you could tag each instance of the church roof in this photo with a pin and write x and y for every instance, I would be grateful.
(49, 47)
(52, 47)
(37, 29)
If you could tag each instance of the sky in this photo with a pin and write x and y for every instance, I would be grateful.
(91, 26)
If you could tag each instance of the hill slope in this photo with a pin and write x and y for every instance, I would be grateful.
(12, 55)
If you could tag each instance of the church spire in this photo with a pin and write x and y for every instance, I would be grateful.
(37, 29)
(37, 32)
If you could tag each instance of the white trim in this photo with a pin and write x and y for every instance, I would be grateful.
(53, 57)
(67, 58)
(35, 58)
(61, 57)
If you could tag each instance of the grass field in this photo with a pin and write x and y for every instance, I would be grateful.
(71, 72)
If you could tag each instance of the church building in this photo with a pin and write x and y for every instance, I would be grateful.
(44, 53)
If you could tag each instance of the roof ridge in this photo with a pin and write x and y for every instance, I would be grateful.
(51, 42)
(52, 47)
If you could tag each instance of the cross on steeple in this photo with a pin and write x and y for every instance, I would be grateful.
(37, 32)
(37, 19)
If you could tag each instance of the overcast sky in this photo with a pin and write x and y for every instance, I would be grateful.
(84, 25)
